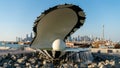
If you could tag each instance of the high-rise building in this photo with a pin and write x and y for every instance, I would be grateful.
(31, 36)
(27, 36)
(103, 33)
(26, 39)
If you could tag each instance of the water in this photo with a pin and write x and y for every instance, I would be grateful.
(13, 45)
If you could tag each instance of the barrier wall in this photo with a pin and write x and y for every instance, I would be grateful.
(100, 50)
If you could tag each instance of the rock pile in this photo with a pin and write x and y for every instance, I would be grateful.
(28, 60)
(35, 60)
(105, 61)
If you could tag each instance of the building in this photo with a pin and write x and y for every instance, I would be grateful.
(28, 38)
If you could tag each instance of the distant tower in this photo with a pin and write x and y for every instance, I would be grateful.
(19, 39)
(78, 38)
(103, 33)
(16, 39)
(31, 36)
(26, 36)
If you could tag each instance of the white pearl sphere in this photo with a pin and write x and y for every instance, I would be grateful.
(58, 45)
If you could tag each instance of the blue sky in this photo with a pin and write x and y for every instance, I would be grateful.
(17, 17)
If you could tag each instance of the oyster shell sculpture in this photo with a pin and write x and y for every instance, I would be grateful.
(58, 22)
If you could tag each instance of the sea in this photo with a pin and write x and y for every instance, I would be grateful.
(12, 45)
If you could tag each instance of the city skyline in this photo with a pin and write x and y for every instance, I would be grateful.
(28, 38)
(17, 17)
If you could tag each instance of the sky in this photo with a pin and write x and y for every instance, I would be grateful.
(17, 17)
